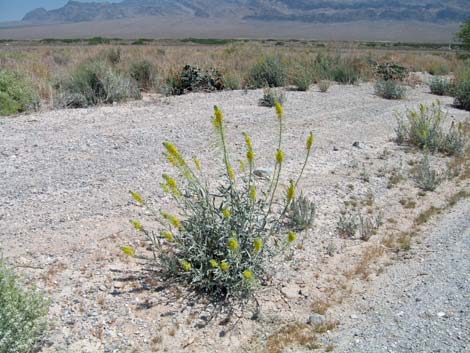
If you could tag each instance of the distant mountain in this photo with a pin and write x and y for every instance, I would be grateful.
(265, 10)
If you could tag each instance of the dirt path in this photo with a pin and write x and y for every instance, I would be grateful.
(417, 305)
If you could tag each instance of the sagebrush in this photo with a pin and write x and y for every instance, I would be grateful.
(221, 241)
(23, 314)
(390, 89)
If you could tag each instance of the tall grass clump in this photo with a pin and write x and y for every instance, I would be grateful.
(16, 93)
(144, 73)
(22, 314)
(270, 71)
(222, 240)
(95, 83)
(423, 129)
(441, 87)
(194, 79)
(390, 89)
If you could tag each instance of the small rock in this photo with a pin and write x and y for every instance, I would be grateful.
(335, 148)
(358, 144)
(441, 314)
(354, 317)
(263, 172)
(291, 291)
(316, 319)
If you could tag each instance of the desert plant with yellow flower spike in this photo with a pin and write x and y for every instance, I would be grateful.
(220, 241)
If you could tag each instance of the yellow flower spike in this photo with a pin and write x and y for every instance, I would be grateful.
(279, 156)
(175, 222)
(231, 173)
(186, 265)
(171, 159)
(248, 275)
(214, 263)
(279, 110)
(218, 118)
(227, 213)
(248, 141)
(168, 236)
(258, 244)
(137, 197)
(171, 148)
(128, 251)
(224, 266)
(250, 156)
(310, 140)
(291, 237)
(253, 193)
(171, 182)
(138, 226)
(197, 163)
(291, 191)
(233, 244)
(242, 166)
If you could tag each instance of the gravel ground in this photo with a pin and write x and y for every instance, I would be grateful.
(421, 304)
(64, 208)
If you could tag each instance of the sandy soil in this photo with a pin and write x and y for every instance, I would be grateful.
(64, 211)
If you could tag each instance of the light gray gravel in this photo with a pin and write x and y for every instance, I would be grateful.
(421, 305)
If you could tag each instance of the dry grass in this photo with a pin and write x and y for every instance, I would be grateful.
(363, 268)
(46, 64)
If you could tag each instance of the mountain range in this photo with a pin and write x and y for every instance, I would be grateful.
(307, 11)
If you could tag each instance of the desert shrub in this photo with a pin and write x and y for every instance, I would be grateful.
(302, 82)
(95, 83)
(232, 82)
(345, 74)
(441, 87)
(113, 56)
(16, 93)
(347, 224)
(323, 66)
(194, 79)
(144, 73)
(301, 213)
(391, 72)
(223, 240)
(423, 129)
(268, 72)
(390, 89)
(22, 314)
(324, 85)
(462, 95)
(271, 97)
(427, 179)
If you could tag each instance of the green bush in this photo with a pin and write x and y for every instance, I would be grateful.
(271, 97)
(232, 82)
(423, 129)
(427, 179)
(16, 93)
(324, 86)
(345, 74)
(462, 95)
(225, 239)
(144, 73)
(390, 71)
(268, 72)
(441, 87)
(95, 83)
(390, 89)
(22, 314)
(194, 79)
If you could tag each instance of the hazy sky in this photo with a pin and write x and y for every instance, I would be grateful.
(13, 10)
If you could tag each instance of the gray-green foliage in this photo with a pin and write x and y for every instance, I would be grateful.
(390, 89)
(347, 224)
(22, 314)
(270, 71)
(16, 93)
(144, 73)
(324, 85)
(95, 83)
(423, 129)
(426, 177)
(301, 213)
(441, 87)
(462, 94)
(222, 240)
(271, 96)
